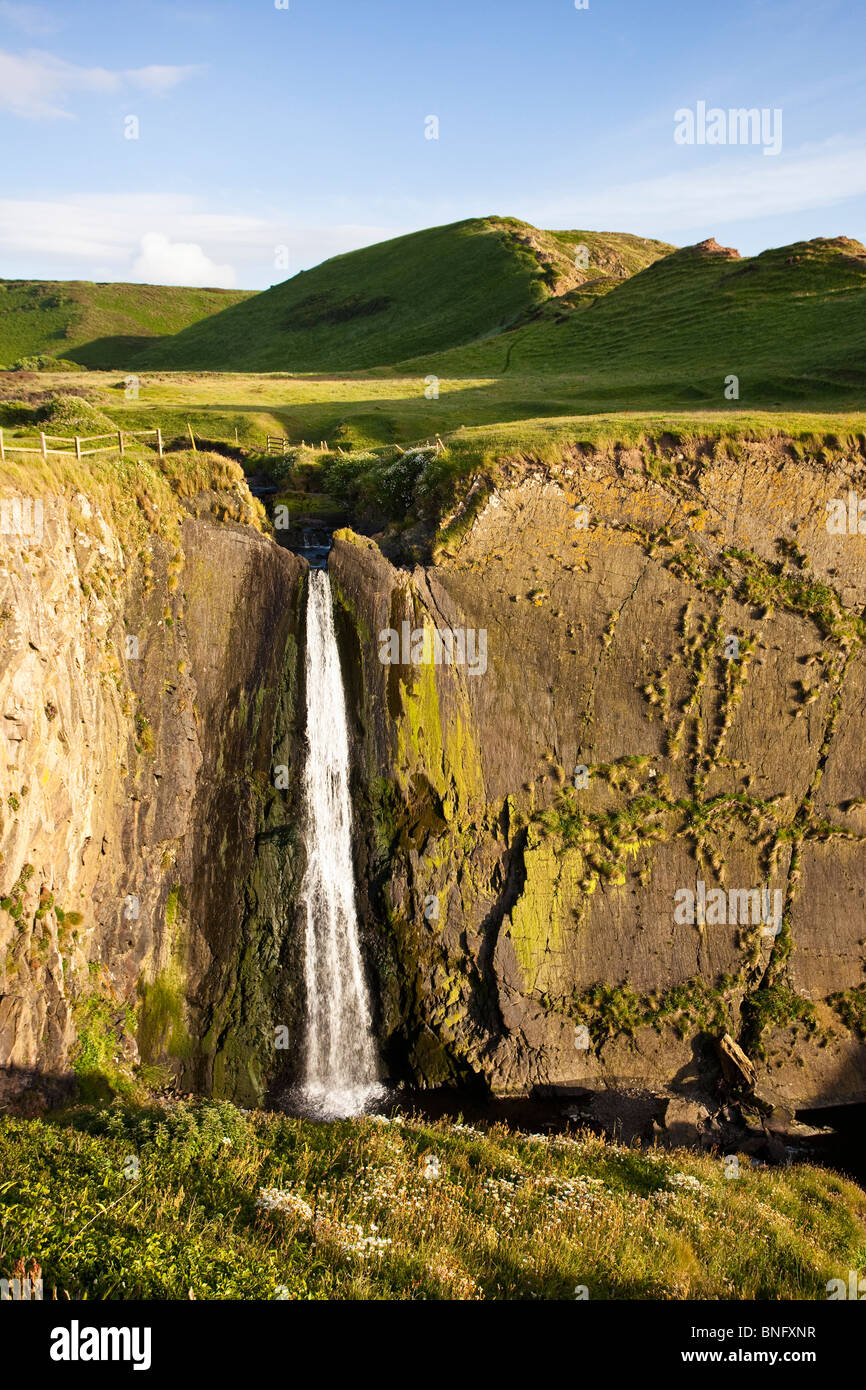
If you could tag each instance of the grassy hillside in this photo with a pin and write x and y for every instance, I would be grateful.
(97, 325)
(225, 1204)
(421, 293)
(790, 324)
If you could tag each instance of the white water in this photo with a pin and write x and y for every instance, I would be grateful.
(341, 1072)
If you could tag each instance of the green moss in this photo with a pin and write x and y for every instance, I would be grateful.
(775, 1006)
(100, 1024)
(13, 901)
(171, 906)
(542, 918)
(162, 1029)
(144, 741)
(385, 803)
(770, 586)
(612, 1010)
(850, 1005)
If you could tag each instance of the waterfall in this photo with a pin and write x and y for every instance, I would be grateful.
(341, 1069)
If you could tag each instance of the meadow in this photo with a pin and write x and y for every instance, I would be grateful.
(181, 1199)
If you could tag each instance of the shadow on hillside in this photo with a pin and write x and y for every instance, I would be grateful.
(111, 354)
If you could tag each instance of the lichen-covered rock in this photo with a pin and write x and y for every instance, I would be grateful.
(668, 719)
(148, 862)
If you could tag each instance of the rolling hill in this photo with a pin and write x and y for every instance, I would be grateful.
(421, 293)
(97, 325)
(789, 323)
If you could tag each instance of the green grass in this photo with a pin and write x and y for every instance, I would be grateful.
(491, 308)
(790, 324)
(165, 1200)
(497, 311)
(245, 408)
(97, 325)
(139, 495)
(420, 293)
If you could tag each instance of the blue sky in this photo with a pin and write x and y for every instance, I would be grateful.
(304, 128)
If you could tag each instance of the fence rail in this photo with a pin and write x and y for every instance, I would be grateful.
(119, 437)
(279, 444)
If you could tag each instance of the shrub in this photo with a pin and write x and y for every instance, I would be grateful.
(44, 363)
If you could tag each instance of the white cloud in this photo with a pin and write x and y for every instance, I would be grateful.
(738, 189)
(159, 79)
(164, 262)
(99, 236)
(33, 84)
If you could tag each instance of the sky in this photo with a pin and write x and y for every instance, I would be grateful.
(235, 142)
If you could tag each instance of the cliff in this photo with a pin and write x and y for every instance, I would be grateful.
(608, 803)
(567, 852)
(148, 679)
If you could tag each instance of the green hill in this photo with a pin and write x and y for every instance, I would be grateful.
(789, 323)
(421, 293)
(97, 325)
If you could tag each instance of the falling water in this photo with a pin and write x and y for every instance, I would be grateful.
(341, 1061)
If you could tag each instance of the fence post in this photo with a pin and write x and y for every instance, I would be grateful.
(2, 450)
(78, 447)
(159, 441)
(44, 445)
(120, 442)
(191, 437)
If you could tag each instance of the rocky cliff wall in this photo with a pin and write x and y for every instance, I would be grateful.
(673, 697)
(148, 687)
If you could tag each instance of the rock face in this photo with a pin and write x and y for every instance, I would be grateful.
(148, 861)
(614, 840)
(640, 826)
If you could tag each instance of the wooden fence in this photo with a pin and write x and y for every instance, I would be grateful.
(118, 439)
(279, 444)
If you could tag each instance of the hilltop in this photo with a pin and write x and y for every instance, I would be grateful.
(94, 324)
(790, 323)
(499, 309)
(422, 293)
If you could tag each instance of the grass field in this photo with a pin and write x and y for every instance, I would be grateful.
(640, 342)
(97, 325)
(790, 324)
(479, 323)
(363, 411)
(498, 314)
(200, 1200)
(422, 293)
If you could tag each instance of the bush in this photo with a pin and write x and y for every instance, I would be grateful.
(44, 363)
(74, 415)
